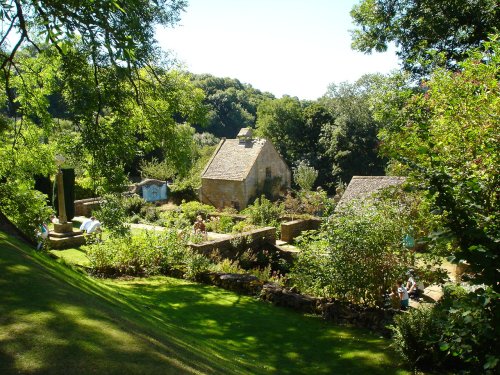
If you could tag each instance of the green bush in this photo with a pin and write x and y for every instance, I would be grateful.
(195, 265)
(173, 219)
(220, 224)
(150, 213)
(112, 215)
(25, 207)
(263, 213)
(304, 175)
(243, 226)
(133, 205)
(458, 333)
(415, 337)
(469, 327)
(194, 208)
(358, 254)
(157, 170)
(149, 253)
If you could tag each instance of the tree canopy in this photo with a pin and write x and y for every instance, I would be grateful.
(420, 29)
(447, 136)
(116, 32)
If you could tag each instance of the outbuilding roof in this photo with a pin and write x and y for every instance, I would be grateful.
(233, 159)
(364, 186)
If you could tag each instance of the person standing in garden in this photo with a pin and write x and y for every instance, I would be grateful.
(403, 295)
(42, 234)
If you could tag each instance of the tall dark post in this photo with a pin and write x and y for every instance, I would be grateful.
(60, 197)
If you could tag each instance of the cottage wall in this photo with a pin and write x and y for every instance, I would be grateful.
(268, 158)
(222, 193)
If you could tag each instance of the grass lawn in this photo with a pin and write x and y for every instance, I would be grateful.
(57, 320)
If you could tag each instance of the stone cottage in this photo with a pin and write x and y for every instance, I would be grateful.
(241, 169)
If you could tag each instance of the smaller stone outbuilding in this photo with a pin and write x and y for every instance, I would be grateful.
(240, 170)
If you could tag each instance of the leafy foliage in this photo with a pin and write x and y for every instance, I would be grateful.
(192, 209)
(350, 141)
(263, 212)
(124, 31)
(304, 176)
(359, 255)
(423, 29)
(447, 136)
(459, 332)
(231, 105)
(149, 253)
(113, 216)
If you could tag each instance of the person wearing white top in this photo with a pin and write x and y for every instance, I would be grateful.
(86, 224)
(94, 227)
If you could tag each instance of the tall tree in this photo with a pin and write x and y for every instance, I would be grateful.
(295, 127)
(232, 105)
(447, 136)
(420, 29)
(351, 140)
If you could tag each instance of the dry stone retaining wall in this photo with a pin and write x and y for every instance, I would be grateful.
(294, 228)
(231, 247)
(342, 313)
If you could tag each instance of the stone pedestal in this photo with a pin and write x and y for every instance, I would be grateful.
(63, 236)
(63, 227)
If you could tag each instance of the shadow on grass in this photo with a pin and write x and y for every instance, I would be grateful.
(260, 336)
(58, 321)
(54, 320)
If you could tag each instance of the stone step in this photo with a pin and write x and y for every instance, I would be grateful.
(59, 243)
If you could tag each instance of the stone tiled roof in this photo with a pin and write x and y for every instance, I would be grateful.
(233, 159)
(363, 186)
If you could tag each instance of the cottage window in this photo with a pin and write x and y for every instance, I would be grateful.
(268, 172)
(236, 205)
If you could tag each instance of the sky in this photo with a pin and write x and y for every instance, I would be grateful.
(286, 47)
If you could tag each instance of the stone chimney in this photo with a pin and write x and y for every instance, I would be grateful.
(244, 135)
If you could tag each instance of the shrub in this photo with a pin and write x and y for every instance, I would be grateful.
(148, 253)
(196, 264)
(173, 219)
(263, 212)
(304, 175)
(112, 215)
(25, 207)
(150, 213)
(360, 254)
(228, 266)
(135, 219)
(469, 327)
(459, 332)
(158, 170)
(192, 209)
(220, 224)
(133, 205)
(243, 226)
(415, 337)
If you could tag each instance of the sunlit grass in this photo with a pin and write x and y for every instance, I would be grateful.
(56, 320)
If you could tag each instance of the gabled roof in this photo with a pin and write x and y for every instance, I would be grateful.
(233, 159)
(364, 186)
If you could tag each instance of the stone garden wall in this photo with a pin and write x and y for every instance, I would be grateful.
(84, 207)
(342, 313)
(232, 247)
(294, 228)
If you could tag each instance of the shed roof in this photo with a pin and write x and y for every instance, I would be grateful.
(364, 186)
(233, 159)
